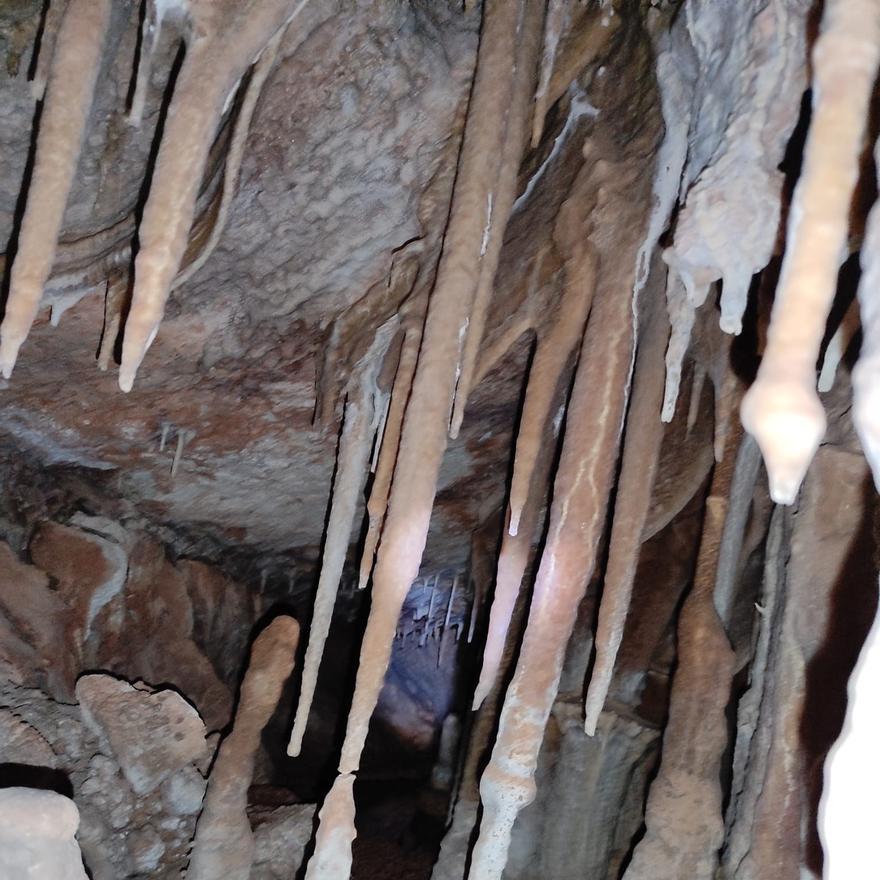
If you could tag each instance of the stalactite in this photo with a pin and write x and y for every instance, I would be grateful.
(848, 811)
(69, 94)
(114, 299)
(839, 343)
(685, 829)
(555, 346)
(866, 374)
(452, 859)
(54, 13)
(581, 488)
(554, 25)
(154, 12)
(218, 55)
(521, 86)
(377, 504)
(425, 430)
(641, 453)
(224, 844)
(782, 410)
(262, 69)
(513, 559)
(681, 317)
(352, 460)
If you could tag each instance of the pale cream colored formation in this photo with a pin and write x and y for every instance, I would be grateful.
(866, 375)
(73, 74)
(556, 346)
(226, 38)
(781, 409)
(377, 504)
(38, 836)
(425, 427)
(641, 454)
(554, 25)
(224, 844)
(517, 106)
(848, 810)
(582, 485)
(358, 429)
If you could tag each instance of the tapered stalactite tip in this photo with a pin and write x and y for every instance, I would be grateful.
(788, 423)
(9, 348)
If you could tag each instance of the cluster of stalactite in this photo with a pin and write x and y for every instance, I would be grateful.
(594, 396)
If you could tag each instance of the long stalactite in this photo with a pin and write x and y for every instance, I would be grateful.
(641, 454)
(782, 409)
(582, 485)
(73, 74)
(426, 423)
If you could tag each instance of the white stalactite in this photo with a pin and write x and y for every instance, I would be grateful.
(425, 429)
(782, 409)
(71, 86)
(224, 44)
(848, 810)
(866, 375)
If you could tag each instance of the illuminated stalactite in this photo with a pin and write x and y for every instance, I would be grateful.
(426, 423)
(641, 454)
(557, 344)
(223, 45)
(581, 487)
(224, 843)
(377, 504)
(866, 374)
(502, 196)
(358, 430)
(554, 25)
(73, 74)
(782, 410)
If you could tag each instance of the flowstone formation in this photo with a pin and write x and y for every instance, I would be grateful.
(456, 338)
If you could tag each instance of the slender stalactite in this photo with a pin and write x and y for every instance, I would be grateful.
(581, 487)
(513, 559)
(69, 92)
(866, 374)
(224, 843)
(782, 410)
(223, 45)
(377, 503)
(554, 25)
(425, 428)
(641, 453)
(352, 459)
(555, 346)
(522, 87)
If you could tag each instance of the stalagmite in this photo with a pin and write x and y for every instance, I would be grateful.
(683, 817)
(866, 374)
(581, 488)
(554, 348)
(377, 504)
(641, 453)
(424, 434)
(224, 45)
(224, 844)
(69, 93)
(358, 428)
(782, 410)
(503, 194)
(848, 810)
(557, 19)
